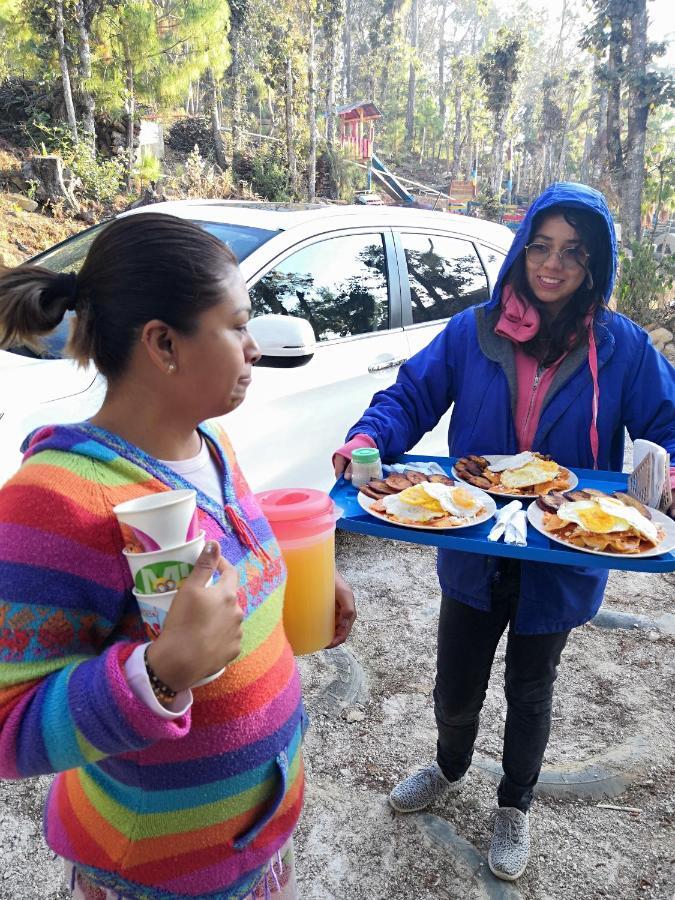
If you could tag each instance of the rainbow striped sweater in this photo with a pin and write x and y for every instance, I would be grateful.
(189, 807)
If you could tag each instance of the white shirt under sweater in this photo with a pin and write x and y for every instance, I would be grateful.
(204, 473)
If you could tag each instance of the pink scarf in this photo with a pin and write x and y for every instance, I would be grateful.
(519, 322)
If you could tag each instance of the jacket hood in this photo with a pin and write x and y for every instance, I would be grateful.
(577, 196)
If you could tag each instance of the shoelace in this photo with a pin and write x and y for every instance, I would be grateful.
(506, 828)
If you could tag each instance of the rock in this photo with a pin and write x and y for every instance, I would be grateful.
(24, 202)
(354, 715)
(660, 337)
(652, 327)
(669, 352)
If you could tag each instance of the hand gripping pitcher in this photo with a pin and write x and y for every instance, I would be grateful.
(303, 522)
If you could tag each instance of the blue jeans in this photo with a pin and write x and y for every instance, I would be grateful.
(467, 641)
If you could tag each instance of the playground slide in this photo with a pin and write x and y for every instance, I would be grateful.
(388, 182)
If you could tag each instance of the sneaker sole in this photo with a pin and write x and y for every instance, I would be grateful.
(454, 787)
(504, 876)
(408, 809)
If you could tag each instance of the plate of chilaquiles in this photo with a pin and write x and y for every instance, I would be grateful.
(521, 476)
(416, 500)
(606, 524)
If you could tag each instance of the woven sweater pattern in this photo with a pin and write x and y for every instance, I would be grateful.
(155, 809)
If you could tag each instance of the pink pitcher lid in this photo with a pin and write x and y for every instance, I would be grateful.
(297, 512)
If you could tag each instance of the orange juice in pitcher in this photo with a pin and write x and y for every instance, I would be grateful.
(303, 521)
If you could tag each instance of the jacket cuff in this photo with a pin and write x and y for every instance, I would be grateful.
(358, 442)
(139, 682)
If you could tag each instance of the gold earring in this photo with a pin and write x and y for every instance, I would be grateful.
(171, 368)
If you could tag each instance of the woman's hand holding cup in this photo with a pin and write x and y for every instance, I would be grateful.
(202, 632)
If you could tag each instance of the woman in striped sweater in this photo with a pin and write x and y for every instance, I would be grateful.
(162, 792)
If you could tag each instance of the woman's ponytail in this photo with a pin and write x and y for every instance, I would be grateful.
(33, 301)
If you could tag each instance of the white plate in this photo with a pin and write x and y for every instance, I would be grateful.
(535, 517)
(488, 503)
(494, 458)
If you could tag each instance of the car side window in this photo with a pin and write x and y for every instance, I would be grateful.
(445, 276)
(339, 285)
(492, 260)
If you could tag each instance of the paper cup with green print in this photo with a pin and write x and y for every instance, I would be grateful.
(162, 571)
(154, 609)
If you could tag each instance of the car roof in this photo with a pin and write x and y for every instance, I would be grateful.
(286, 216)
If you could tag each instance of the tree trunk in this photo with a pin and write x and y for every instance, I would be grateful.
(614, 69)
(219, 149)
(331, 50)
(235, 87)
(469, 140)
(442, 50)
(456, 138)
(347, 32)
(85, 76)
(497, 157)
(638, 113)
(311, 110)
(290, 147)
(412, 78)
(130, 109)
(54, 184)
(599, 153)
(65, 74)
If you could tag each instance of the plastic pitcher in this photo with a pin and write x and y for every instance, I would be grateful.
(303, 522)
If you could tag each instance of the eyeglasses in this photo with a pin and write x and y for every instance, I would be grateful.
(570, 257)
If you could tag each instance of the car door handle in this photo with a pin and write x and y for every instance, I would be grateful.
(389, 364)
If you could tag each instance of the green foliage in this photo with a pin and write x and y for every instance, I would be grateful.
(269, 177)
(490, 207)
(643, 282)
(149, 169)
(101, 178)
(499, 69)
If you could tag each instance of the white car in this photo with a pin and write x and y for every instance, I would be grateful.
(342, 296)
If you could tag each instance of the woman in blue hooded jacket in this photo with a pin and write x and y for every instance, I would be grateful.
(546, 366)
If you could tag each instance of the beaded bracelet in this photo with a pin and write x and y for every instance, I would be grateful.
(161, 690)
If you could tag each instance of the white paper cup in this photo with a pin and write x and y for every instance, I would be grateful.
(164, 518)
(163, 571)
(154, 609)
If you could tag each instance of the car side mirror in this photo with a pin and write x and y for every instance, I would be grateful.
(285, 341)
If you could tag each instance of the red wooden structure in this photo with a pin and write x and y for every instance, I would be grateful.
(357, 129)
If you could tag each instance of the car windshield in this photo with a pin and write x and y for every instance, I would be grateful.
(70, 255)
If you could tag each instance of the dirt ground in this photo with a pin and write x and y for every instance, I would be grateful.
(372, 722)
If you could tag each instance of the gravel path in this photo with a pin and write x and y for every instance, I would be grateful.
(372, 722)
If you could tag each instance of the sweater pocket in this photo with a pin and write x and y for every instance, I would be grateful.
(281, 761)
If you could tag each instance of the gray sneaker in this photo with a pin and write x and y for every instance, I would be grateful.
(510, 847)
(422, 789)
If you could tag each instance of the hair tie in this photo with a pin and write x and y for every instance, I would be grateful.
(65, 285)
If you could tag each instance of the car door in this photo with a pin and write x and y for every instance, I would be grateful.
(346, 285)
(442, 274)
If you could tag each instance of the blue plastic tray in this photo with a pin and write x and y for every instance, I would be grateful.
(474, 540)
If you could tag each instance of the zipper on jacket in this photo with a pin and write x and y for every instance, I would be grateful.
(535, 385)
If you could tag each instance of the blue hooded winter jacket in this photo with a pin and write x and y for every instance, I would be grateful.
(470, 366)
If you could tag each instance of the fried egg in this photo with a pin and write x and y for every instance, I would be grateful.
(537, 471)
(604, 515)
(512, 462)
(427, 501)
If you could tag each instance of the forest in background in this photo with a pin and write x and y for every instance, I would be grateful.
(467, 91)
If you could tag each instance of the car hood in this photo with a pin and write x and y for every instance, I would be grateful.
(25, 381)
